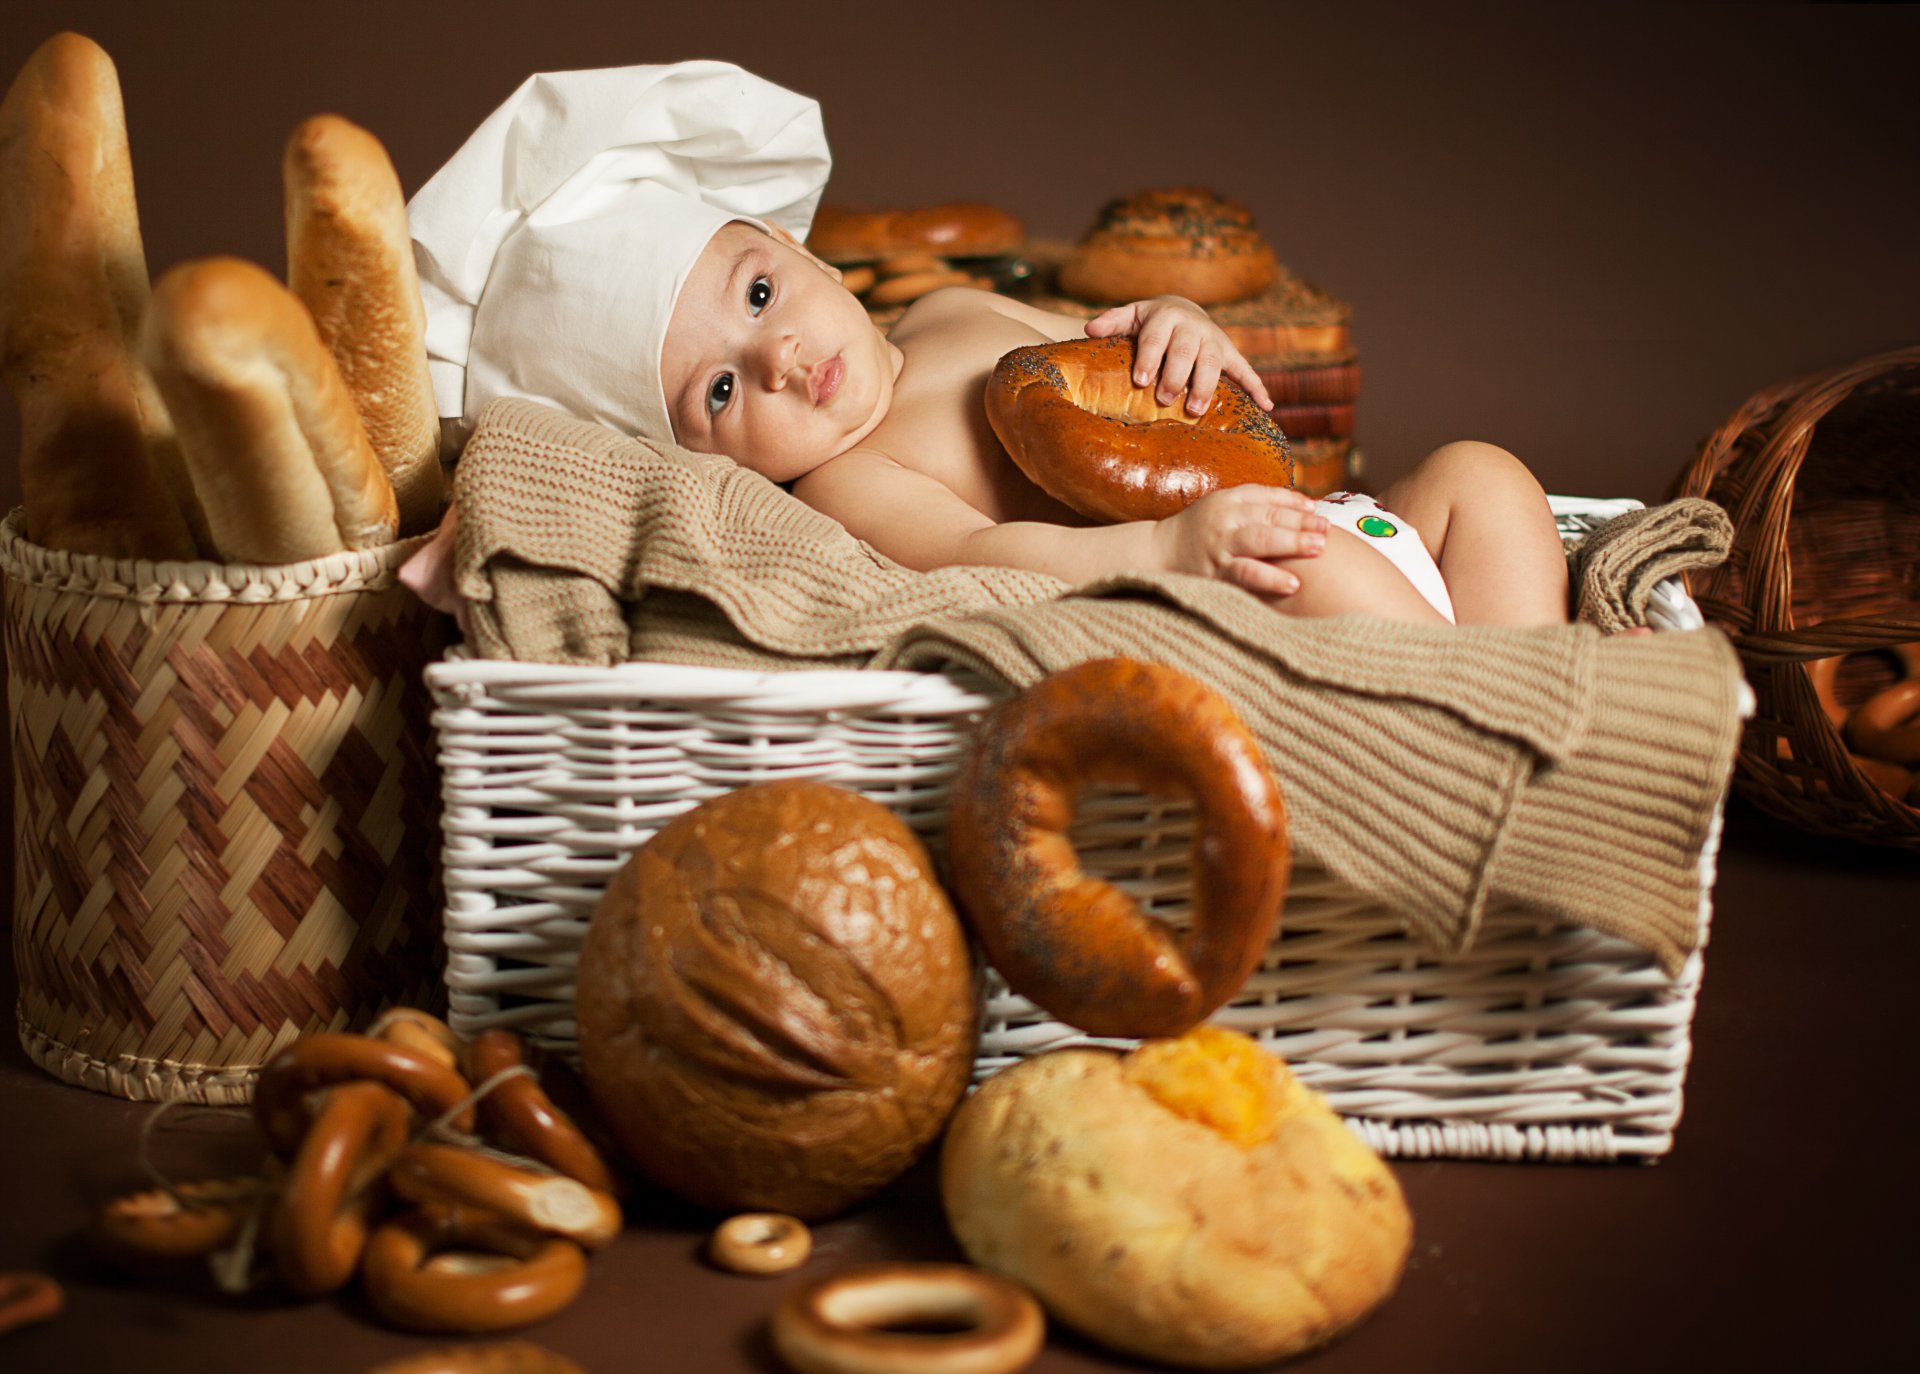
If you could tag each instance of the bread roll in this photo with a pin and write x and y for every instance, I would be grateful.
(1191, 1203)
(99, 472)
(270, 434)
(776, 1004)
(1186, 241)
(350, 260)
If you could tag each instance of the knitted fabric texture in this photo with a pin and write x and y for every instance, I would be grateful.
(1439, 770)
(1614, 569)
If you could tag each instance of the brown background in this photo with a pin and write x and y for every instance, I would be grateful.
(1584, 232)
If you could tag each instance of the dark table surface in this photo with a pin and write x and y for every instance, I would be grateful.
(1776, 1235)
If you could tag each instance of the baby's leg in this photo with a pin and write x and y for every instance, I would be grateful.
(1486, 521)
(1348, 575)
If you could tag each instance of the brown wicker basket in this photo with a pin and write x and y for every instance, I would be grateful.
(226, 809)
(1822, 478)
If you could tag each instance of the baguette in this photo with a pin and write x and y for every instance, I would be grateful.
(270, 435)
(100, 472)
(350, 260)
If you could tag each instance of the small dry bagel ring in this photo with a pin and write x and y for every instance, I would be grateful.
(26, 1298)
(521, 1113)
(328, 1058)
(490, 1357)
(760, 1243)
(418, 1030)
(458, 1273)
(447, 1175)
(841, 1325)
(320, 1224)
(1072, 420)
(156, 1227)
(1887, 725)
(1077, 945)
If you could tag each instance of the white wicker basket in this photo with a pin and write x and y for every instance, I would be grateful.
(1545, 1041)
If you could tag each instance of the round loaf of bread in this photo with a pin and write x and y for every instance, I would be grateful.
(963, 229)
(776, 1006)
(1190, 1202)
(1185, 241)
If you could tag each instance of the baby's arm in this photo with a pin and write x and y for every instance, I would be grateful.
(915, 520)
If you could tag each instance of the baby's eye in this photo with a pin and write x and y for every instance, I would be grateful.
(719, 394)
(759, 293)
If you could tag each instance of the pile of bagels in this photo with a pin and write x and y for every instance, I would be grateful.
(890, 258)
(440, 1176)
(219, 413)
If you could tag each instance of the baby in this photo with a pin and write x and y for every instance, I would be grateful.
(771, 363)
(756, 352)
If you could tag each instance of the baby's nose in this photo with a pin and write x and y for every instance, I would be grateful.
(777, 360)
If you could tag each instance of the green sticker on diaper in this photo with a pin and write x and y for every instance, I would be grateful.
(1375, 526)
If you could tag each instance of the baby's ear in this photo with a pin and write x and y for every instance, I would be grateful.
(804, 251)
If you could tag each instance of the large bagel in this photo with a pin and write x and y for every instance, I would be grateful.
(1077, 945)
(1071, 418)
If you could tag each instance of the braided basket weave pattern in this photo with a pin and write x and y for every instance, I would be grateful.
(225, 809)
(1821, 475)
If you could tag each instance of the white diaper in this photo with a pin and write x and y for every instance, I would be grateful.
(1380, 529)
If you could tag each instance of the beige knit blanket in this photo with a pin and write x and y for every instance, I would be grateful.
(1436, 769)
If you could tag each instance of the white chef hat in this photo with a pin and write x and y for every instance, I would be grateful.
(552, 247)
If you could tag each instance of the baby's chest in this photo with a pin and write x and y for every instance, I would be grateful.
(938, 423)
(945, 435)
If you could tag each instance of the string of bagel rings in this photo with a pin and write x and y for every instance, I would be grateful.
(508, 1193)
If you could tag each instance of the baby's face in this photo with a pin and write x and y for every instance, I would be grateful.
(770, 361)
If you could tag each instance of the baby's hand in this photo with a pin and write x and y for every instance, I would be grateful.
(428, 573)
(1233, 533)
(1176, 339)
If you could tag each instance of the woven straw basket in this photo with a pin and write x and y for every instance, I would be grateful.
(224, 810)
(1543, 1042)
(1822, 478)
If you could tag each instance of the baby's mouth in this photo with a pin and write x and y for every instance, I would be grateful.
(825, 379)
